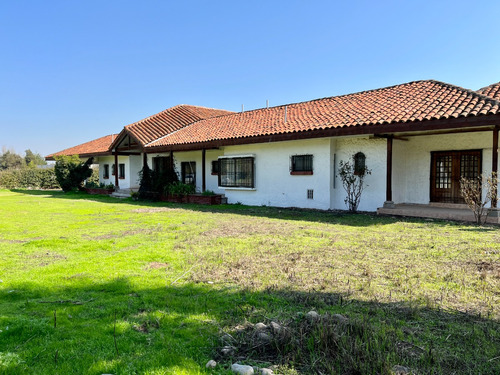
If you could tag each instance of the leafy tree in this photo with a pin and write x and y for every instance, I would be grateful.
(11, 160)
(71, 172)
(33, 158)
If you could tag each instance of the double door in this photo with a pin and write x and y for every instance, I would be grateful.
(447, 167)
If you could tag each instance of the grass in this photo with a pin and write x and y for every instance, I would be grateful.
(93, 285)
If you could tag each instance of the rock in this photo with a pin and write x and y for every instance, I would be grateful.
(211, 364)
(266, 371)
(263, 337)
(242, 369)
(260, 326)
(339, 318)
(227, 338)
(401, 370)
(276, 328)
(313, 316)
(227, 350)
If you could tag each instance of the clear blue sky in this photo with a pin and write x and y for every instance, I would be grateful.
(72, 71)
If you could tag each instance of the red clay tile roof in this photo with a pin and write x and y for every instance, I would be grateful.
(493, 91)
(170, 120)
(406, 103)
(99, 146)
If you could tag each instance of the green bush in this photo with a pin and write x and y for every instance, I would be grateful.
(179, 188)
(71, 172)
(29, 178)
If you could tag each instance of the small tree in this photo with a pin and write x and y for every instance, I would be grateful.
(33, 159)
(145, 182)
(353, 181)
(71, 171)
(11, 160)
(472, 192)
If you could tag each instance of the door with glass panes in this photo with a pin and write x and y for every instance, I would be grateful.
(447, 167)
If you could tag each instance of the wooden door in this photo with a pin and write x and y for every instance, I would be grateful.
(447, 167)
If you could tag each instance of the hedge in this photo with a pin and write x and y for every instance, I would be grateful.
(26, 178)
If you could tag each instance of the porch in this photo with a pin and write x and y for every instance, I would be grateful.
(440, 211)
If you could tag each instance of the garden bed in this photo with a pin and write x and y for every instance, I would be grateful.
(193, 198)
(96, 191)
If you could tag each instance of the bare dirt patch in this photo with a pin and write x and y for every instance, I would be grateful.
(44, 258)
(156, 266)
(239, 228)
(154, 210)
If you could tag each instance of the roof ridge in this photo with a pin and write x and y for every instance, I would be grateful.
(470, 91)
(486, 87)
(184, 106)
(337, 96)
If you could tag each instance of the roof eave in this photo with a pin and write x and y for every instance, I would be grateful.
(369, 129)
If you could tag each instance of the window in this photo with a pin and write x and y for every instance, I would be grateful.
(188, 169)
(237, 172)
(215, 167)
(301, 165)
(121, 170)
(359, 164)
(310, 194)
(161, 164)
(113, 172)
(105, 173)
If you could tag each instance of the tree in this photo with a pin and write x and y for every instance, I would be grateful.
(33, 158)
(71, 171)
(353, 175)
(472, 192)
(11, 160)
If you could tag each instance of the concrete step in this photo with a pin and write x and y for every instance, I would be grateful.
(121, 193)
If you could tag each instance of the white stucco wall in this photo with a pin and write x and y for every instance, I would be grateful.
(412, 161)
(131, 164)
(274, 185)
(375, 150)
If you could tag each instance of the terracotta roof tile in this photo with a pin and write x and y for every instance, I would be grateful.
(99, 146)
(493, 91)
(170, 120)
(409, 102)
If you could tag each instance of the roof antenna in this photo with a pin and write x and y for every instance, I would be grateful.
(267, 103)
(242, 108)
(285, 114)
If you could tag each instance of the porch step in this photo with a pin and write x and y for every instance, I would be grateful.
(433, 212)
(122, 193)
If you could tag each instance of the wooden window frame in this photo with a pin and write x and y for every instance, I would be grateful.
(105, 172)
(215, 167)
(359, 163)
(306, 160)
(121, 171)
(193, 170)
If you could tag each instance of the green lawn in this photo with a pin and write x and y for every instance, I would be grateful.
(93, 285)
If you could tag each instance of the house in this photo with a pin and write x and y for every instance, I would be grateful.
(417, 138)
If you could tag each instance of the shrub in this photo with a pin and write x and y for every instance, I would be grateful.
(471, 190)
(71, 172)
(353, 178)
(29, 178)
(180, 189)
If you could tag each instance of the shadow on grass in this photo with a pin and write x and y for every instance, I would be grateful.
(177, 329)
(361, 219)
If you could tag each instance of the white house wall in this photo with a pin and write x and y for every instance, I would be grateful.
(412, 161)
(131, 170)
(274, 185)
(375, 151)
